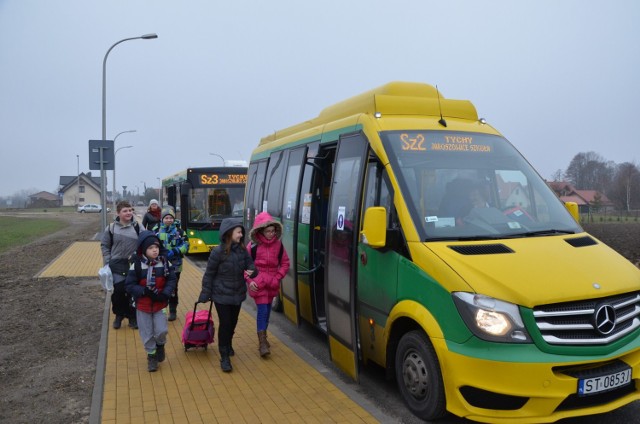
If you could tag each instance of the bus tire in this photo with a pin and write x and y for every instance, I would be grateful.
(418, 376)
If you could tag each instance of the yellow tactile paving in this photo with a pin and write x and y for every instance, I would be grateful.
(81, 259)
(189, 387)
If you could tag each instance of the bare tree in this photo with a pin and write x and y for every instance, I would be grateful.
(590, 171)
(558, 175)
(625, 188)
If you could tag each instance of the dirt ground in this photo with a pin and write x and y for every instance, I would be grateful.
(49, 331)
(50, 328)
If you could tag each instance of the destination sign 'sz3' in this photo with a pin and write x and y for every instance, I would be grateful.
(215, 179)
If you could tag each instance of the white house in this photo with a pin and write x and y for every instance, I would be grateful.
(79, 190)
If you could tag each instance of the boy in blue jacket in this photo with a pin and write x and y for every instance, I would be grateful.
(174, 240)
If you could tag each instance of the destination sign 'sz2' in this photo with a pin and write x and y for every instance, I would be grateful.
(418, 142)
(215, 179)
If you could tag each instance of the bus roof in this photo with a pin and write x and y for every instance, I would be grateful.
(175, 178)
(394, 98)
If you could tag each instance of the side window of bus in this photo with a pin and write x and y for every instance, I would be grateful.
(255, 190)
(378, 192)
(289, 204)
(275, 182)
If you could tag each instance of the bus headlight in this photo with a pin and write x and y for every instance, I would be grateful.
(491, 319)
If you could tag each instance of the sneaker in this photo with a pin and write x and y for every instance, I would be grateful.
(133, 324)
(117, 322)
(160, 356)
(152, 362)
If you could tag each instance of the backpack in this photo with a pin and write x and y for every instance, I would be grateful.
(254, 252)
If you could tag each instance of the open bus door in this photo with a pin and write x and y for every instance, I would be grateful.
(340, 270)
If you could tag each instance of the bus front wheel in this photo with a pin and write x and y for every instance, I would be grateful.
(418, 376)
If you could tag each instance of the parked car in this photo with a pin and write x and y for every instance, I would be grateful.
(90, 207)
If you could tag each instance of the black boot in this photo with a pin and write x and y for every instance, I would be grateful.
(160, 353)
(152, 362)
(225, 362)
(117, 322)
(231, 351)
(133, 323)
(172, 312)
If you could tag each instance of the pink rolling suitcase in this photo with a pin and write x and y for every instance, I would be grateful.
(198, 328)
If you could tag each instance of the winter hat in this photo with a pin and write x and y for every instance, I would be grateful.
(264, 220)
(153, 202)
(146, 239)
(229, 224)
(167, 210)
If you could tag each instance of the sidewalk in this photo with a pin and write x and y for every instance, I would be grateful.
(189, 387)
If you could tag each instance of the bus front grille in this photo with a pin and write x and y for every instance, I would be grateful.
(589, 322)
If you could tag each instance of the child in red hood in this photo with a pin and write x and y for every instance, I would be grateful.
(272, 262)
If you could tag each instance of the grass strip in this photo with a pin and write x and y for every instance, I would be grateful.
(16, 231)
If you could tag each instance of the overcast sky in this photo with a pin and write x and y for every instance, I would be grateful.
(555, 77)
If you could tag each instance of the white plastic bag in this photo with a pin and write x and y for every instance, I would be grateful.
(106, 278)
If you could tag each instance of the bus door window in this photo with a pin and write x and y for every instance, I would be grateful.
(198, 206)
(219, 204)
(289, 221)
(171, 195)
(255, 190)
(275, 182)
(343, 219)
(321, 176)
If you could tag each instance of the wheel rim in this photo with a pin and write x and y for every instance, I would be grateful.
(415, 375)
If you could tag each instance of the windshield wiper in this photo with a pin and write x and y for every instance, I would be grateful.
(468, 238)
(550, 232)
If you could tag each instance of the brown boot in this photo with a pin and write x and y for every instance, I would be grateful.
(262, 339)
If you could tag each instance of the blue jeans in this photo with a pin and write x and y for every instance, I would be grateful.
(264, 311)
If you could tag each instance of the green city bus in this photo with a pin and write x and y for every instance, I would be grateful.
(422, 241)
(202, 198)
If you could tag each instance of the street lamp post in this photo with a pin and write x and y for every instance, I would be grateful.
(78, 181)
(223, 161)
(114, 172)
(104, 120)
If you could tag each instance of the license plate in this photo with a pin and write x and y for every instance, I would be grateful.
(603, 383)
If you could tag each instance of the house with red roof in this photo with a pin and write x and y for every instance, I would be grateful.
(587, 200)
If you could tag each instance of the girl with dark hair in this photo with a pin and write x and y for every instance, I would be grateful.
(223, 283)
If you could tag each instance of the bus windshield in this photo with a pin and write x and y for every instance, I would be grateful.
(472, 186)
(212, 205)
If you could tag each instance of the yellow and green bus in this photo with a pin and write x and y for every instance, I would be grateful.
(422, 241)
(202, 198)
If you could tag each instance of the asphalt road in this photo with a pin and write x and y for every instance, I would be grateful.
(379, 396)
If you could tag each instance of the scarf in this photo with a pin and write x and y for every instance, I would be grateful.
(155, 213)
(151, 272)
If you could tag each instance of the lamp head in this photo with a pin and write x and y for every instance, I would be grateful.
(149, 36)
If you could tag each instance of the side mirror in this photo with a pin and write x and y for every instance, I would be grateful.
(572, 207)
(374, 231)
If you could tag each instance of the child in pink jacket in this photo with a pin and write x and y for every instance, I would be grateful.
(272, 262)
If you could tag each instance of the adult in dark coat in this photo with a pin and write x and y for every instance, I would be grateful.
(224, 283)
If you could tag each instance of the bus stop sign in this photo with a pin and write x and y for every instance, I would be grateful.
(95, 147)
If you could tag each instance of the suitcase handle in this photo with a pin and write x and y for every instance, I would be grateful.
(195, 307)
